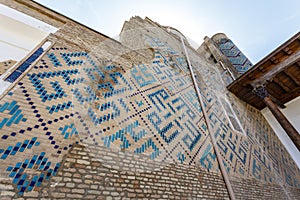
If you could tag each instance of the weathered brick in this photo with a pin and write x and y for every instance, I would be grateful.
(131, 177)
(131, 195)
(88, 181)
(114, 194)
(58, 195)
(77, 180)
(90, 196)
(94, 187)
(88, 176)
(31, 194)
(70, 185)
(7, 193)
(63, 189)
(77, 175)
(80, 191)
(94, 192)
(80, 166)
(6, 187)
(70, 160)
(83, 186)
(84, 162)
(75, 196)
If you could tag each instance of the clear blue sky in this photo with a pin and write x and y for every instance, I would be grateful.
(256, 26)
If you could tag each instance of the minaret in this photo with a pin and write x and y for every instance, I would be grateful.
(239, 61)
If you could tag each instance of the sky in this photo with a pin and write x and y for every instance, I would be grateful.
(257, 27)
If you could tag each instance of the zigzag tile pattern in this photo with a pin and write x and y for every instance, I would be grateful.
(235, 56)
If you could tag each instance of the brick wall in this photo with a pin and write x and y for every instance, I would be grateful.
(93, 172)
(100, 173)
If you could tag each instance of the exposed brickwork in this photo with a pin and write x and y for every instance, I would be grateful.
(252, 189)
(100, 173)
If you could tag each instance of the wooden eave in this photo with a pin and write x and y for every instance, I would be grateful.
(279, 72)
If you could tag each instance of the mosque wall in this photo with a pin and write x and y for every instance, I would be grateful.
(89, 117)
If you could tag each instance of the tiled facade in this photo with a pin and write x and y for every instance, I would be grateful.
(69, 94)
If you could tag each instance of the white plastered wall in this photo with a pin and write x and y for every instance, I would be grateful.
(20, 33)
(292, 113)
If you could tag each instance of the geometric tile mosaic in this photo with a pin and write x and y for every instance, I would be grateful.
(68, 130)
(14, 114)
(19, 147)
(22, 181)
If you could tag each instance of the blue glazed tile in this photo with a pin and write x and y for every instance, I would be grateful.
(13, 76)
(40, 180)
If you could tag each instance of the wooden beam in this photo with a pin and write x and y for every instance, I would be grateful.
(281, 84)
(272, 95)
(291, 76)
(293, 94)
(276, 69)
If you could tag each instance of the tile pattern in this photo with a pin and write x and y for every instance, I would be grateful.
(19, 147)
(40, 164)
(12, 112)
(150, 109)
(235, 56)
